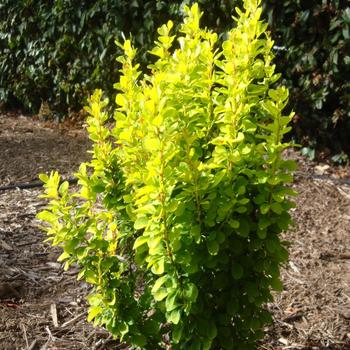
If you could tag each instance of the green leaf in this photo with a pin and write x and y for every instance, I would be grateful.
(63, 189)
(190, 292)
(218, 177)
(171, 301)
(271, 245)
(264, 222)
(177, 332)
(141, 222)
(254, 89)
(213, 247)
(158, 120)
(274, 95)
(123, 329)
(196, 233)
(140, 241)
(252, 290)
(48, 216)
(276, 208)
(138, 340)
(174, 316)
(160, 294)
(283, 221)
(99, 187)
(93, 312)
(63, 256)
(159, 282)
(90, 277)
(255, 324)
(234, 223)
(244, 228)
(176, 245)
(276, 284)
(241, 209)
(237, 271)
(275, 180)
(212, 330)
(196, 345)
(121, 100)
(262, 233)
(158, 266)
(289, 164)
(44, 178)
(264, 208)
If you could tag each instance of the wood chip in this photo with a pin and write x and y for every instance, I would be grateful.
(53, 310)
(345, 313)
(76, 318)
(334, 256)
(5, 246)
(54, 265)
(294, 317)
(33, 345)
(294, 267)
(24, 334)
(283, 341)
(321, 169)
(51, 337)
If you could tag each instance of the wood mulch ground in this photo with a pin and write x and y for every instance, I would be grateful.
(43, 307)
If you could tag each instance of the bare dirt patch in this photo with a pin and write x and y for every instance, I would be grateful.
(43, 307)
(313, 312)
(29, 147)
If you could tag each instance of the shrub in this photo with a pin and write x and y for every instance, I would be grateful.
(176, 222)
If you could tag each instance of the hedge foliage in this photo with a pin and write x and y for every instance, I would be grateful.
(59, 52)
(177, 218)
(315, 60)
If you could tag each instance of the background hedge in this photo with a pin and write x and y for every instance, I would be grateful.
(316, 66)
(59, 51)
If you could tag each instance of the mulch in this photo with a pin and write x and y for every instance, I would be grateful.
(43, 307)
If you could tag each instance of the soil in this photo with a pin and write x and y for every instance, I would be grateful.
(43, 307)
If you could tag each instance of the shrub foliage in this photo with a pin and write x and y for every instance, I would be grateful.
(177, 218)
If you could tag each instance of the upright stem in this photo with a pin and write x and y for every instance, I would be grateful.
(162, 198)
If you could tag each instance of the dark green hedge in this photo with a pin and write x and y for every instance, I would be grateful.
(61, 50)
(316, 67)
